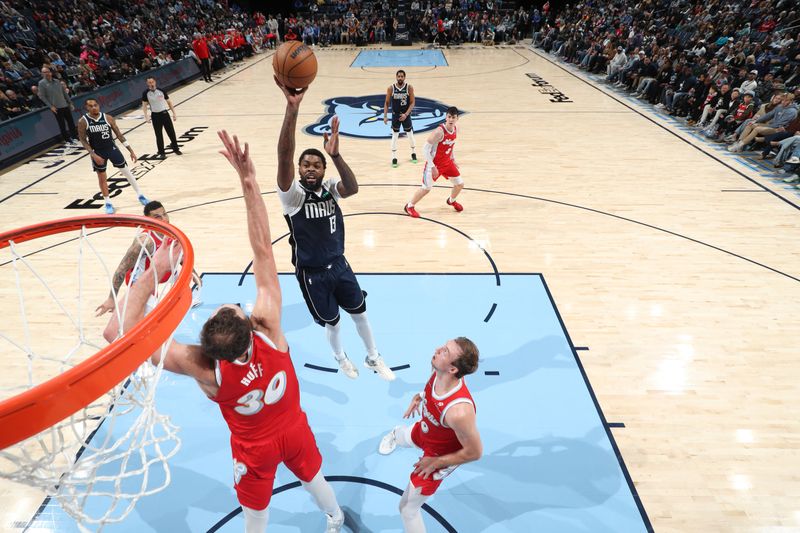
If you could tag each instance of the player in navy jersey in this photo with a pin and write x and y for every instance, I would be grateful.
(96, 131)
(401, 97)
(243, 364)
(311, 207)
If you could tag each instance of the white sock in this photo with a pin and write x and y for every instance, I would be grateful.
(128, 176)
(323, 495)
(395, 135)
(255, 521)
(335, 339)
(106, 199)
(411, 140)
(365, 332)
(402, 436)
(410, 504)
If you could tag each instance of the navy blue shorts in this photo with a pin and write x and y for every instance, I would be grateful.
(396, 123)
(326, 289)
(109, 154)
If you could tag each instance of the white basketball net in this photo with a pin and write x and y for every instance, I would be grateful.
(98, 462)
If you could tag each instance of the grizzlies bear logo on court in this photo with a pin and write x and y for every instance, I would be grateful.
(362, 116)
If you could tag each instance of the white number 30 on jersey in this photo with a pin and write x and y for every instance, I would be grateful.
(255, 400)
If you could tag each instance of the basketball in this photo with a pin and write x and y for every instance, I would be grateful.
(295, 65)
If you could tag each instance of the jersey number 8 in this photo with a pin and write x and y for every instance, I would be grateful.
(255, 400)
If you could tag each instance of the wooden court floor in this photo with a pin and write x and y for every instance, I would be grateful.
(679, 271)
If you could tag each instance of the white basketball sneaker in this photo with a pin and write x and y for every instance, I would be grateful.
(380, 368)
(335, 522)
(388, 442)
(347, 367)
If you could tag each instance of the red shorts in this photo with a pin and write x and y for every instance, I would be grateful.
(254, 464)
(446, 169)
(429, 485)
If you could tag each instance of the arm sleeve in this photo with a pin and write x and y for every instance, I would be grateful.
(144, 96)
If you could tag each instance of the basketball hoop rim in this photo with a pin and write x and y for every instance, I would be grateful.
(44, 405)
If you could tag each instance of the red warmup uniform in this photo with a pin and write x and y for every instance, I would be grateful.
(443, 158)
(200, 48)
(260, 401)
(432, 434)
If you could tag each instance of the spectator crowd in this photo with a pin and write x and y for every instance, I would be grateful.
(86, 45)
(89, 44)
(729, 68)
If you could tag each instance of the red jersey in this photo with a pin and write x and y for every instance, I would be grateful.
(139, 268)
(259, 398)
(444, 150)
(431, 433)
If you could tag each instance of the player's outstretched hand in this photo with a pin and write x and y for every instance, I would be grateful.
(238, 158)
(330, 141)
(293, 96)
(413, 409)
(105, 307)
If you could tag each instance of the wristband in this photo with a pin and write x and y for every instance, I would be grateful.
(336, 156)
(126, 144)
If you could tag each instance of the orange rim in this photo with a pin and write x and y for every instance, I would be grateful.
(46, 404)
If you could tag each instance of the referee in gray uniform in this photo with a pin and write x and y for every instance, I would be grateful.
(158, 101)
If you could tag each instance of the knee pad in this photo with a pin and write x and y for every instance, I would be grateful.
(457, 180)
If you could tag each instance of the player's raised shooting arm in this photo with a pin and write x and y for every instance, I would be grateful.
(266, 315)
(286, 138)
(286, 149)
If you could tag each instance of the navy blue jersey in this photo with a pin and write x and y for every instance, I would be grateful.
(400, 100)
(101, 136)
(316, 229)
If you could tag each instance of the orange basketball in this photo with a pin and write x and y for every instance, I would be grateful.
(295, 65)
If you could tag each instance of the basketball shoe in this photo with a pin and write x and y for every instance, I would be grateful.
(110, 209)
(335, 522)
(380, 368)
(411, 211)
(388, 442)
(413, 157)
(347, 367)
(394, 162)
(457, 206)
